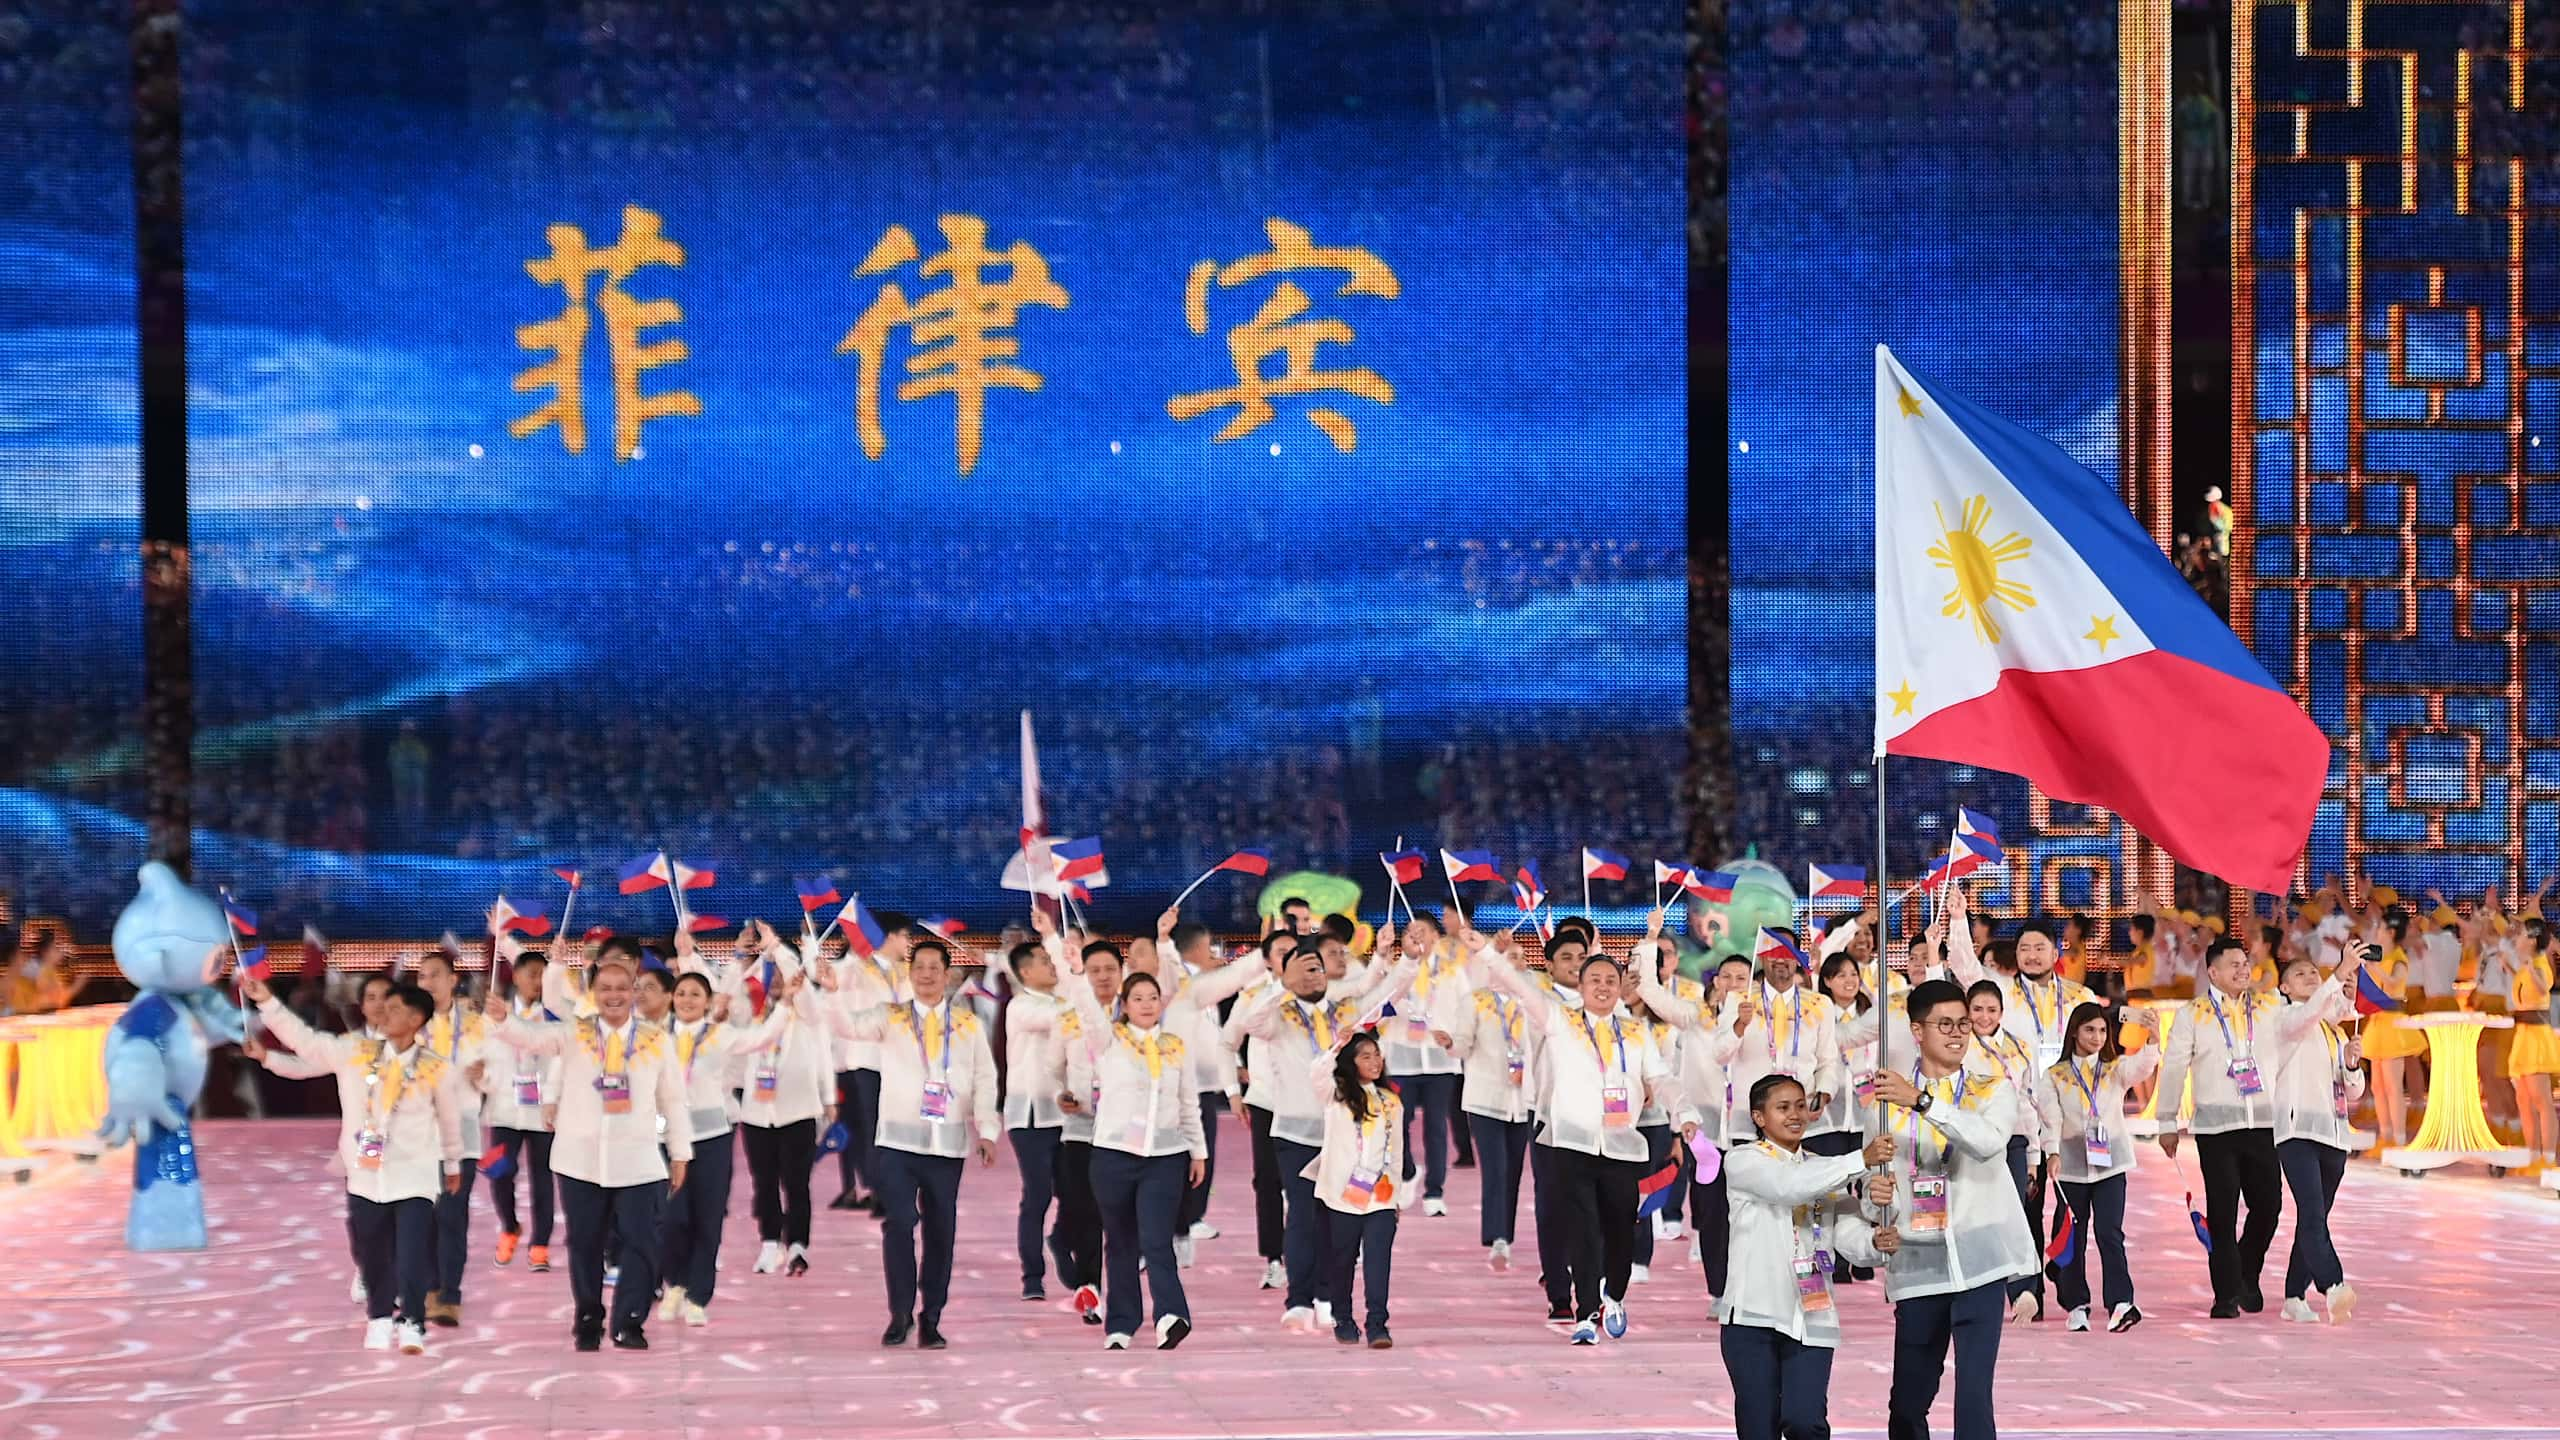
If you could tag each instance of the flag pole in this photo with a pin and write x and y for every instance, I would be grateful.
(1194, 885)
(231, 931)
(1884, 983)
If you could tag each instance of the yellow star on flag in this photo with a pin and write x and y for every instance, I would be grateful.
(1903, 698)
(1910, 406)
(2102, 628)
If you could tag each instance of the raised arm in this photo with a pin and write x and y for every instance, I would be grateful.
(326, 1051)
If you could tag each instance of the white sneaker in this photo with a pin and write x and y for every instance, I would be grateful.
(1500, 1257)
(612, 1276)
(1435, 1206)
(2342, 1303)
(355, 1288)
(671, 1302)
(1182, 1251)
(1613, 1317)
(1324, 1315)
(1639, 1274)
(1203, 1230)
(1300, 1319)
(377, 1334)
(2024, 1308)
(2299, 1311)
(695, 1315)
(1171, 1330)
(1274, 1275)
(413, 1339)
(1115, 1342)
(2079, 1318)
(769, 1258)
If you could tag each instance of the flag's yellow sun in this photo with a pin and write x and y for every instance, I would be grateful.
(1976, 563)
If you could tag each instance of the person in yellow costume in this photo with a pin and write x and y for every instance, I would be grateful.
(2389, 1042)
(2535, 1056)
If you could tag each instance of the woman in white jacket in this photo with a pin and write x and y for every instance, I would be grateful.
(1147, 1150)
(689, 1224)
(1358, 1173)
(1794, 1215)
(2083, 1103)
(2318, 1080)
(1489, 1034)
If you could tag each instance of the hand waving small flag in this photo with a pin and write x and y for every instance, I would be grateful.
(1076, 859)
(1603, 864)
(692, 877)
(1666, 873)
(862, 933)
(1527, 888)
(1253, 860)
(1406, 866)
(1468, 866)
(526, 918)
(815, 890)
(1713, 886)
(645, 873)
(253, 963)
(2371, 998)
(243, 919)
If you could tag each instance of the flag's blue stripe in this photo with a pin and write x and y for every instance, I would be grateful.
(2094, 522)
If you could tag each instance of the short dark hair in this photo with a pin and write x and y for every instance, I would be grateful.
(1766, 1086)
(919, 948)
(1426, 915)
(1575, 924)
(2222, 945)
(659, 974)
(1290, 900)
(1274, 938)
(416, 998)
(697, 979)
(1601, 957)
(897, 922)
(530, 957)
(1101, 947)
(1928, 995)
(2272, 936)
(2037, 925)
(1340, 927)
(2142, 927)
(1188, 932)
(1980, 988)
(625, 945)
(1023, 953)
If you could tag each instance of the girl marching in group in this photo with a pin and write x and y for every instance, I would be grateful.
(710, 1054)
(1358, 1175)
(2083, 1105)
(1147, 1150)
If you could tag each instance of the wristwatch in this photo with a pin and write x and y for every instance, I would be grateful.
(1927, 1099)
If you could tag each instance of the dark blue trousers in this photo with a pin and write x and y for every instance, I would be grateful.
(1555, 1240)
(2312, 1172)
(916, 1190)
(1781, 1387)
(1502, 1147)
(1036, 1151)
(2097, 1212)
(634, 1211)
(1368, 1242)
(1923, 1329)
(395, 1247)
(1195, 1198)
(1302, 1240)
(2030, 1200)
(531, 1150)
(1434, 1099)
(453, 1233)
(690, 1224)
(1139, 1196)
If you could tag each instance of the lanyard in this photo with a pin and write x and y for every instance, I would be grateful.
(619, 1044)
(2088, 1085)
(1150, 1051)
(1795, 1025)
(385, 1095)
(452, 1018)
(1928, 1087)
(1991, 1042)
(1593, 1036)
(1313, 1018)
(2248, 1013)
(689, 1046)
(2035, 1012)
(1508, 1012)
(924, 1027)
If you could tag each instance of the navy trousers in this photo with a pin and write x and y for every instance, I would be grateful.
(1502, 1147)
(1302, 1243)
(1139, 1197)
(634, 1216)
(1369, 1243)
(916, 1191)
(531, 1150)
(453, 1233)
(1434, 1100)
(1036, 1151)
(1195, 1198)
(690, 1224)
(1923, 1329)
(2097, 1212)
(2312, 1172)
(395, 1249)
(1781, 1386)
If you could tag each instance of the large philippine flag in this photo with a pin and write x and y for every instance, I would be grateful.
(2025, 623)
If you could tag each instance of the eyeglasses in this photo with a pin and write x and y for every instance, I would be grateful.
(1954, 1026)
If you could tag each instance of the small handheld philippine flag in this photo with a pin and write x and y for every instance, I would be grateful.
(1666, 873)
(243, 919)
(692, 877)
(253, 963)
(1467, 866)
(1253, 860)
(815, 890)
(1778, 945)
(2371, 998)
(1974, 822)
(574, 879)
(1527, 888)
(943, 925)
(861, 931)
(1713, 886)
(494, 1163)
(2064, 1248)
(1603, 864)
(1076, 859)
(1406, 865)
(646, 873)
(1654, 1191)
(1849, 880)
(527, 918)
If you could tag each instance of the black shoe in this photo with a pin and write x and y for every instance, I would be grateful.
(1168, 1336)
(896, 1334)
(2224, 1310)
(590, 1340)
(870, 1206)
(1381, 1340)
(1093, 1317)
(1463, 1162)
(929, 1337)
(799, 1266)
(2131, 1317)
(1031, 1290)
(630, 1339)
(2253, 1300)
(1347, 1334)
(845, 1200)
(1561, 1310)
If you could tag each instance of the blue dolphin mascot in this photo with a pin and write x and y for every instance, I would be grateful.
(174, 945)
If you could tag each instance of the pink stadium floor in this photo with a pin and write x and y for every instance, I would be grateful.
(255, 1337)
